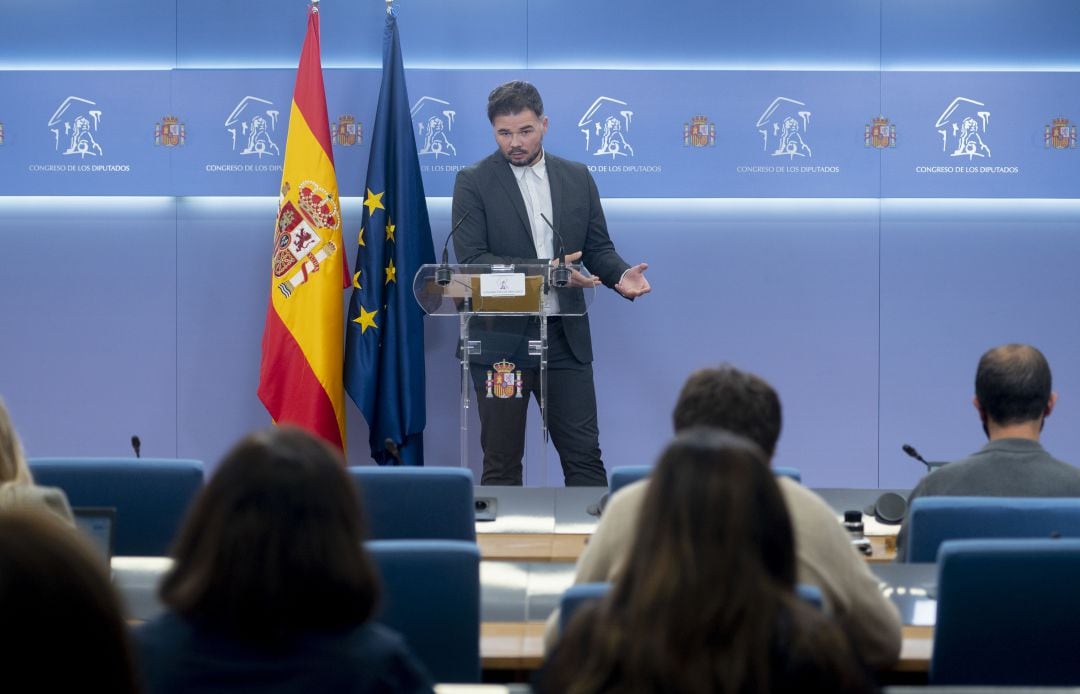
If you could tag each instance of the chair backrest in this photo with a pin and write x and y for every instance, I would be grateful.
(934, 519)
(791, 472)
(580, 593)
(150, 495)
(431, 596)
(626, 475)
(417, 503)
(1008, 613)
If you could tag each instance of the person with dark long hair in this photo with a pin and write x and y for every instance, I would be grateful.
(271, 590)
(63, 630)
(707, 600)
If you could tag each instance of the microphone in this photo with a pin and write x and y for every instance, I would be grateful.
(910, 450)
(137, 445)
(560, 276)
(443, 274)
(392, 448)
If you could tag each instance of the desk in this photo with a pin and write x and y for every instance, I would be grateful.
(553, 547)
(520, 646)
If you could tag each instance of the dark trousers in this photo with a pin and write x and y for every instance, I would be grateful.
(571, 418)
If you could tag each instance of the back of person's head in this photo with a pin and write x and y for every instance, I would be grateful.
(271, 548)
(13, 467)
(61, 627)
(1013, 384)
(725, 397)
(512, 98)
(712, 563)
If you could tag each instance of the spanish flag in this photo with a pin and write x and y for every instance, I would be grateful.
(300, 380)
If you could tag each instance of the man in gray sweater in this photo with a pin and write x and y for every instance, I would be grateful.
(1013, 397)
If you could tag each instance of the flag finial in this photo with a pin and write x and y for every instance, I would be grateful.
(314, 5)
(389, 6)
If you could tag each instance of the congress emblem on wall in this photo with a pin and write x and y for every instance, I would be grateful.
(170, 132)
(783, 127)
(252, 126)
(879, 133)
(699, 132)
(606, 125)
(1061, 134)
(74, 125)
(963, 126)
(346, 132)
(434, 121)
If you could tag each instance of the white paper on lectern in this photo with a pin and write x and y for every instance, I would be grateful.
(502, 284)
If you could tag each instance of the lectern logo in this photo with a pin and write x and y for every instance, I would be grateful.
(699, 132)
(346, 132)
(252, 126)
(74, 125)
(606, 127)
(434, 122)
(505, 382)
(1061, 134)
(879, 133)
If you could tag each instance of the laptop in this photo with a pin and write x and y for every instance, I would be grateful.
(98, 525)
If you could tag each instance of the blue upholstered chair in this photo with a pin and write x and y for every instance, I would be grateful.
(577, 595)
(791, 472)
(150, 495)
(417, 503)
(624, 476)
(1008, 613)
(431, 596)
(934, 519)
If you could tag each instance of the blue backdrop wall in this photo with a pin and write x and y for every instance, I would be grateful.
(853, 199)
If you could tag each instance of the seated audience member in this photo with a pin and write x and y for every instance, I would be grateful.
(17, 488)
(707, 600)
(1013, 397)
(62, 627)
(745, 404)
(271, 590)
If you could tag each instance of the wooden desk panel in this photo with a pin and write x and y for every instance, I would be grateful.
(520, 646)
(554, 547)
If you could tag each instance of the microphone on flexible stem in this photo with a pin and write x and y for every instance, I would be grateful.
(136, 444)
(910, 450)
(444, 273)
(392, 449)
(560, 276)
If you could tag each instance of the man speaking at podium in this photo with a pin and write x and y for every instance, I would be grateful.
(520, 206)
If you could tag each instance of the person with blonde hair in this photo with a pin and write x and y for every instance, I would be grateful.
(17, 488)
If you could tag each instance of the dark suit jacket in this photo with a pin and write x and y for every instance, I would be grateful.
(497, 230)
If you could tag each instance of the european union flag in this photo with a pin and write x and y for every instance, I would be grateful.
(384, 342)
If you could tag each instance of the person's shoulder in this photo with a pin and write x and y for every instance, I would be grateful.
(566, 165)
(802, 501)
(381, 655)
(626, 501)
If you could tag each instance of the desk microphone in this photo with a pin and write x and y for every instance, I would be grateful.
(444, 273)
(392, 448)
(560, 276)
(136, 444)
(910, 450)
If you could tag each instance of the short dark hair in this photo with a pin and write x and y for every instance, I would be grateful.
(63, 624)
(512, 98)
(724, 397)
(272, 546)
(1013, 384)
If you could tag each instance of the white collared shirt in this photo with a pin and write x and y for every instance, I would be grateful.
(535, 188)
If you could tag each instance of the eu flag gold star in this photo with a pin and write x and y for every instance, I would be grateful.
(390, 230)
(356, 280)
(366, 320)
(391, 272)
(360, 238)
(373, 202)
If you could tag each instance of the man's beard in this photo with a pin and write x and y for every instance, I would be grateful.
(528, 162)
